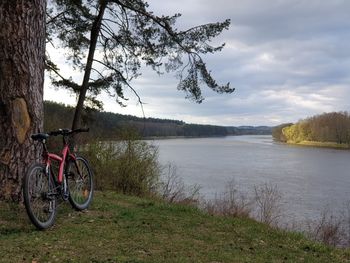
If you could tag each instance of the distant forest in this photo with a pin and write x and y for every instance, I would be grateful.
(328, 127)
(107, 125)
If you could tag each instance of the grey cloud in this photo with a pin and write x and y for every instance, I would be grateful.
(284, 57)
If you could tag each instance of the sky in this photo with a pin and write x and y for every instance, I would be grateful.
(287, 60)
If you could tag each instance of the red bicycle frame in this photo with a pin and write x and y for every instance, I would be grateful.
(62, 160)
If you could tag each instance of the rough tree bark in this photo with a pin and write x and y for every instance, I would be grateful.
(22, 52)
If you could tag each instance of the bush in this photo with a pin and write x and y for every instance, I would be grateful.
(128, 165)
(231, 203)
(173, 189)
(331, 227)
(268, 203)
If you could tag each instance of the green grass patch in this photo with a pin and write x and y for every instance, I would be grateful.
(121, 228)
(322, 144)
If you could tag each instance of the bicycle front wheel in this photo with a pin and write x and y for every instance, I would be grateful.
(39, 196)
(80, 183)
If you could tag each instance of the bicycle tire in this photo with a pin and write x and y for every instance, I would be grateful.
(39, 199)
(80, 184)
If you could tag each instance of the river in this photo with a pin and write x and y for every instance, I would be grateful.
(310, 179)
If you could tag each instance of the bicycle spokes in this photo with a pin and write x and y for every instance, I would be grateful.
(40, 200)
(39, 197)
(80, 184)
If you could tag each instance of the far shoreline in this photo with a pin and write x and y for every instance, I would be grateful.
(329, 145)
(182, 137)
(199, 137)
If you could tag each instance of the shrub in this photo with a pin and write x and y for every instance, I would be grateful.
(231, 202)
(328, 229)
(128, 165)
(173, 189)
(268, 203)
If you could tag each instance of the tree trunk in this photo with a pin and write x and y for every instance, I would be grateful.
(87, 72)
(22, 54)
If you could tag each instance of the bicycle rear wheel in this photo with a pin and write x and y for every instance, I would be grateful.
(39, 196)
(80, 183)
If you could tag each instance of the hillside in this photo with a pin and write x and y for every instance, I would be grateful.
(107, 124)
(121, 228)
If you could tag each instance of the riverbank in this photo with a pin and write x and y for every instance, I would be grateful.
(121, 228)
(152, 138)
(332, 145)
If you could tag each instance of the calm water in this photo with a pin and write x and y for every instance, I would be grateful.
(309, 178)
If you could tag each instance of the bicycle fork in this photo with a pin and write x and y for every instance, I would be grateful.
(56, 188)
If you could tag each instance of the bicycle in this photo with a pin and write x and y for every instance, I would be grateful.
(42, 188)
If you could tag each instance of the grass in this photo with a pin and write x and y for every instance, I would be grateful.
(322, 144)
(121, 228)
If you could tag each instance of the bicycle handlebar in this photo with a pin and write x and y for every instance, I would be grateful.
(81, 130)
(65, 132)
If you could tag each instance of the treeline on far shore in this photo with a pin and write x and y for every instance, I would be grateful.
(107, 125)
(333, 127)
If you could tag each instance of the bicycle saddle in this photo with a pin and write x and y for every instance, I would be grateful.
(40, 136)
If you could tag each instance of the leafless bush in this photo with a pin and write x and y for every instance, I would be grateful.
(173, 189)
(232, 203)
(346, 224)
(328, 229)
(268, 203)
